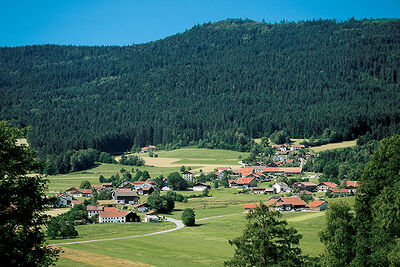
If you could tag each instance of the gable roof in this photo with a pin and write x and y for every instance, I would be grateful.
(251, 205)
(125, 194)
(245, 171)
(113, 213)
(339, 190)
(328, 184)
(307, 183)
(246, 180)
(352, 183)
(316, 203)
(295, 201)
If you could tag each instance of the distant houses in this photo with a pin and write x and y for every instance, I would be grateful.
(114, 215)
(147, 149)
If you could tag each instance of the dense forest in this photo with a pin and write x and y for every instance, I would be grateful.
(217, 84)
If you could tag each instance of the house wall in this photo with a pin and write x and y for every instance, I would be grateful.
(111, 219)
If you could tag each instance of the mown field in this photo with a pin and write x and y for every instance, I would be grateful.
(203, 245)
(332, 146)
(167, 162)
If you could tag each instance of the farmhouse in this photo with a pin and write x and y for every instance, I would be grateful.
(130, 197)
(340, 192)
(281, 187)
(351, 186)
(151, 216)
(117, 216)
(64, 200)
(290, 203)
(187, 175)
(148, 149)
(325, 186)
(92, 210)
(318, 205)
(305, 186)
(249, 206)
(79, 192)
(201, 186)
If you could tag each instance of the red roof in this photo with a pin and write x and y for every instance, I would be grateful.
(305, 192)
(289, 160)
(352, 183)
(339, 191)
(283, 169)
(316, 203)
(272, 202)
(152, 212)
(246, 171)
(114, 213)
(246, 180)
(85, 191)
(98, 187)
(251, 205)
(295, 201)
(147, 188)
(107, 184)
(329, 184)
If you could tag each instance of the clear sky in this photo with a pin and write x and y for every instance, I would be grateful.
(124, 22)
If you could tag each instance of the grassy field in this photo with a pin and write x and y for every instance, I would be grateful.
(203, 245)
(334, 146)
(64, 181)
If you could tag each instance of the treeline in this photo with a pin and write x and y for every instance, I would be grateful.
(339, 164)
(78, 160)
(218, 84)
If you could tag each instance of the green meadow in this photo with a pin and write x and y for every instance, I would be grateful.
(203, 153)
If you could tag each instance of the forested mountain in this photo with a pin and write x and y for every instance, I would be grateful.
(222, 82)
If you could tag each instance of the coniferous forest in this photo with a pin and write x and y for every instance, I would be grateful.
(220, 83)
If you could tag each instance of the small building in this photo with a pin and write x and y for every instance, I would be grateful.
(142, 207)
(281, 187)
(325, 186)
(79, 192)
(296, 147)
(290, 203)
(167, 188)
(151, 216)
(340, 192)
(264, 190)
(249, 206)
(187, 175)
(107, 203)
(201, 186)
(75, 202)
(247, 181)
(318, 205)
(64, 200)
(305, 186)
(93, 210)
(146, 149)
(146, 190)
(351, 186)
(126, 197)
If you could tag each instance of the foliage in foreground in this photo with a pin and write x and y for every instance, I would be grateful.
(266, 241)
(22, 202)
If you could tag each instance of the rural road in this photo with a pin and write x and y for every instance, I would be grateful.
(178, 223)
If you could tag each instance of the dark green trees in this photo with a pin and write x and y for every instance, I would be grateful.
(189, 217)
(266, 241)
(59, 227)
(176, 181)
(22, 202)
(162, 204)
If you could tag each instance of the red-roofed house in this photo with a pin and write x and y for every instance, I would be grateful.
(249, 206)
(351, 186)
(79, 192)
(340, 192)
(290, 203)
(245, 171)
(247, 181)
(75, 202)
(92, 210)
(318, 205)
(114, 216)
(324, 186)
(148, 149)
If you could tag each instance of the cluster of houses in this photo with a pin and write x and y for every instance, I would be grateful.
(148, 149)
(292, 203)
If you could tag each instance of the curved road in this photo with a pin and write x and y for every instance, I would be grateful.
(178, 224)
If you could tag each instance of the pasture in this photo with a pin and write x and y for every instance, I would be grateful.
(219, 218)
(332, 146)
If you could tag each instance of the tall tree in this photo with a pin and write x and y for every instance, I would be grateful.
(22, 202)
(266, 241)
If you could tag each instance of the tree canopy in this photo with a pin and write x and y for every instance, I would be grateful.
(266, 241)
(22, 202)
(217, 85)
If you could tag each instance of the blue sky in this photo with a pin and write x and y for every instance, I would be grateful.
(124, 22)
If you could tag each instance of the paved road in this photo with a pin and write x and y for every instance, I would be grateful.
(178, 224)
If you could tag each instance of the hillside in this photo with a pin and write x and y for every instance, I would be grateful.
(225, 83)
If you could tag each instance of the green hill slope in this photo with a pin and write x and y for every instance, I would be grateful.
(224, 82)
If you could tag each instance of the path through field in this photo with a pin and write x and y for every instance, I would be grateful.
(97, 259)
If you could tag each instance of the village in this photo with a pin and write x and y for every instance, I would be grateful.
(285, 193)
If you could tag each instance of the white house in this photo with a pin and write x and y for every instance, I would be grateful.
(64, 200)
(93, 210)
(116, 216)
(187, 175)
(201, 186)
(281, 187)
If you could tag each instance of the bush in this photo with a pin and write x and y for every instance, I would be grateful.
(189, 217)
